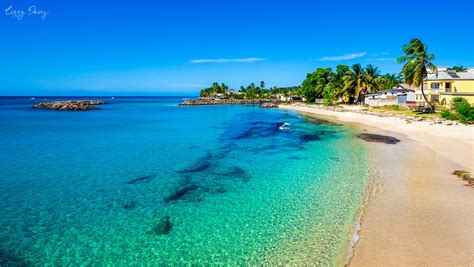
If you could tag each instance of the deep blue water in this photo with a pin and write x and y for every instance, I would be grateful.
(144, 180)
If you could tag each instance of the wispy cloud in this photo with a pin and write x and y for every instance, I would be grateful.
(380, 54)
(344, 57)
(227, 60)
(385, 59)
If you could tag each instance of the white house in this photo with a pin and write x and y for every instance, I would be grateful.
(401, 94)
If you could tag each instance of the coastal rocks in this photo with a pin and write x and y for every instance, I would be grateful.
(207, 102)
(376, 138)
(269, 105)
(465, 176)
(162, 227)
(73, 105)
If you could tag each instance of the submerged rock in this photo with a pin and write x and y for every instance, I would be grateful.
(144, 179)
(376, 138)
(162, 227)
(181, 192)
(294, 157)
(73, 105)
(315, 121)
(309, 137)
(198, 167)
(129, 205)
(8, 259)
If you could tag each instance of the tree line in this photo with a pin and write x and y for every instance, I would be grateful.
(346, 84)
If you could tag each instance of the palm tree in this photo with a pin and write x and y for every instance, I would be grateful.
(387, 81)
(459, 68)
(417, 61)
(262, 85)
(354, 81)
(371, 74)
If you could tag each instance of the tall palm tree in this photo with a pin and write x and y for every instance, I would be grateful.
(354, 81)
(371, 74)
(416, 62)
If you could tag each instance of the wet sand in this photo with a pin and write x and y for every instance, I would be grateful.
(418, 213)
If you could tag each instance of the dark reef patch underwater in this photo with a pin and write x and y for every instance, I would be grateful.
(7, 259)
(162, 227)
(143, 179)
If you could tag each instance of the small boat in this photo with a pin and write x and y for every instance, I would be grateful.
(285, 126)
(33, 98)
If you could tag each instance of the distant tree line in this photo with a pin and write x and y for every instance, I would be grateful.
(344, 84)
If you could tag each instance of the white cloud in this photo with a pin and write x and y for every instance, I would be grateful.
(380, 54)
(344, 57)
(385, 59)
(227, 60)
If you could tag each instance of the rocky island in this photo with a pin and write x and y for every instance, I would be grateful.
(72, 105)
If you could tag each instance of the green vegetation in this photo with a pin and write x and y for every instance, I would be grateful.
(349, 84)
(214, 90)
(346, 84)
(417, 61)
(460, 110)
(459, 68)
(248, 92)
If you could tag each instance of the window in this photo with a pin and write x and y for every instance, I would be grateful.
(448, 87)
(434, 98)
(435, 86)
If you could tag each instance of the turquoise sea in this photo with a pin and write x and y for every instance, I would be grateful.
(144, 181)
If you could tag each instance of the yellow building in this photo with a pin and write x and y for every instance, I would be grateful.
(441, 88)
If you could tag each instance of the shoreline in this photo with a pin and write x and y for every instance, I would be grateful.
(414, 211)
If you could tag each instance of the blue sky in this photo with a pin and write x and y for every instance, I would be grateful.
(84, 47)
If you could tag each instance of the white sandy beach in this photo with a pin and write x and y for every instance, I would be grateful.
(418, 213)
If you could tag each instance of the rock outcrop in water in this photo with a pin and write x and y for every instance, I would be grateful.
(269, 105)
(376, 138)
(73, 105)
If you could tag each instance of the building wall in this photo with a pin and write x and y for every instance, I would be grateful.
(445, 99)
(459, 88)
(378, 102)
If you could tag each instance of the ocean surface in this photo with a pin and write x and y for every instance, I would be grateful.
(144, 180)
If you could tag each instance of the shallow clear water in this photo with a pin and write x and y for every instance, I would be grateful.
(96, 187)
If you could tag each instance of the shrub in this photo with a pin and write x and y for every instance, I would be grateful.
(460, 110)
(448, 115)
